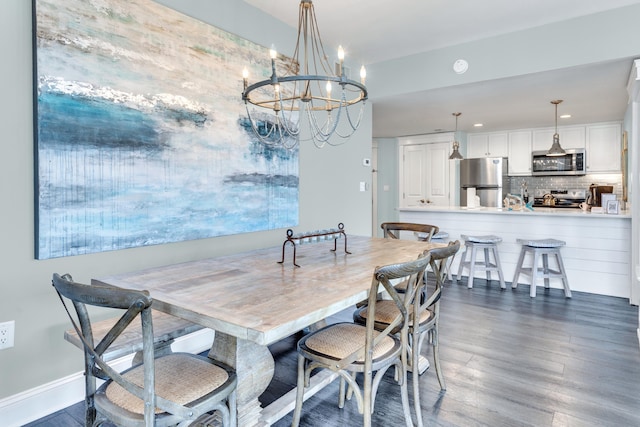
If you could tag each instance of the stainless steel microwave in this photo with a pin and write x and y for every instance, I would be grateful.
(573, 162)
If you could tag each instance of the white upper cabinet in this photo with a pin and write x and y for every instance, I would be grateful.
(570, 137)
(604, 147)
(487, 145)
(520, 152)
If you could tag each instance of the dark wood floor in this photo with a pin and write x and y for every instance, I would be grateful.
(508, 359)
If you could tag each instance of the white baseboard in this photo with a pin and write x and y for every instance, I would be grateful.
(30, 405)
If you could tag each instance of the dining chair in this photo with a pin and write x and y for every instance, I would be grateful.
(349, 348)
(163, 390)
(428, 313)
(424, 232)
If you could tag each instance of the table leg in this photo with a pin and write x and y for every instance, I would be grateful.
(254, 367)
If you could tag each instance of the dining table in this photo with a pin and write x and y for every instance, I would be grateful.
(251, 301)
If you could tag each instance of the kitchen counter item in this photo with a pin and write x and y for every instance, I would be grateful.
(595, 193)
(571, 198)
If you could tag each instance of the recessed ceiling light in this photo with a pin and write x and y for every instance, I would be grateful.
(478, 125)
(565, 116)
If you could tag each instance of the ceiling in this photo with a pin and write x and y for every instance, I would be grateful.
(592, 93)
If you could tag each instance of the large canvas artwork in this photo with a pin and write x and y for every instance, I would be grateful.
(140, 131)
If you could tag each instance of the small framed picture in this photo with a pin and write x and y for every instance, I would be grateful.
(612, 207)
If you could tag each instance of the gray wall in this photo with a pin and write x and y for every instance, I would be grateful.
(329, 193)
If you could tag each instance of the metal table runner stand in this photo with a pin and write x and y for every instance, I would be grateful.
(314, 237)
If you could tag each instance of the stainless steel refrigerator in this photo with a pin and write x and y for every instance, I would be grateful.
(489, 178)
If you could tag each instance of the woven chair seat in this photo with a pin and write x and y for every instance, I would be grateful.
(342, 339)
(387, 310)
(482, 239)
(440, 235)
(542, 243)
(180, 377)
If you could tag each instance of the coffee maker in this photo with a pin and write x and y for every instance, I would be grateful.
(595, 193)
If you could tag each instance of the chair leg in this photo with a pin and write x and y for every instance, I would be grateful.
(436, 357)
(415, 355)
(233, 405)
(299, 392)
(341, 393)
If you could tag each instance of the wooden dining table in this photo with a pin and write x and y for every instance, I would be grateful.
(251, 301)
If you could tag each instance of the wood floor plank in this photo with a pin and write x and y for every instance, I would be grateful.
(511, 360)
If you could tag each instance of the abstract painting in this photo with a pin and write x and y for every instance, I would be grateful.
(141, 135)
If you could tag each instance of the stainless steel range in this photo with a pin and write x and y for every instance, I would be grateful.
(545, 198)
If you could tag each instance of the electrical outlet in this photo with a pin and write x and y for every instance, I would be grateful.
(6, 334)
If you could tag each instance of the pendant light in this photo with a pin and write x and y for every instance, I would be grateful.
(456, 145)
(556, 149)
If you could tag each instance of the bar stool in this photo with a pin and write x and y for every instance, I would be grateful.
(544, 247)
(487, 244)
(443, 237)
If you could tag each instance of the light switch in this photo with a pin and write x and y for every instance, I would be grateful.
(363, 186)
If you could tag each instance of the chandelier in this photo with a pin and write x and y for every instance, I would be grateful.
(303, 87)
(455, 154)
(556, 149)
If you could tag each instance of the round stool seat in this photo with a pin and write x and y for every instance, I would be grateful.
(488, 245)
(542, 243)
(440, 235)
(482, 239)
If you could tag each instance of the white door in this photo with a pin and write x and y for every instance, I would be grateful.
(437, 174)
(413, 174)
(425, 174)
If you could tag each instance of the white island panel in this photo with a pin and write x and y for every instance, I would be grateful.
(597, 256)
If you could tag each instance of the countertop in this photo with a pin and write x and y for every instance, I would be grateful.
(537, 211)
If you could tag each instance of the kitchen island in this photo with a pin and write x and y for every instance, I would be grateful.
(597, 256)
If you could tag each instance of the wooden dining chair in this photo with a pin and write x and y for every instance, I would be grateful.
(427, 311)
(347, 348)
(424, 232)
(165, 390)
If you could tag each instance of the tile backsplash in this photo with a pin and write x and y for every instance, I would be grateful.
(565, 183)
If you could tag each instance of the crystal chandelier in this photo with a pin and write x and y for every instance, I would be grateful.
(303, 87)
(455, 154)
(556, 149)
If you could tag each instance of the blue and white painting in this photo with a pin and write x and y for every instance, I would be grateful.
(141, 134)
